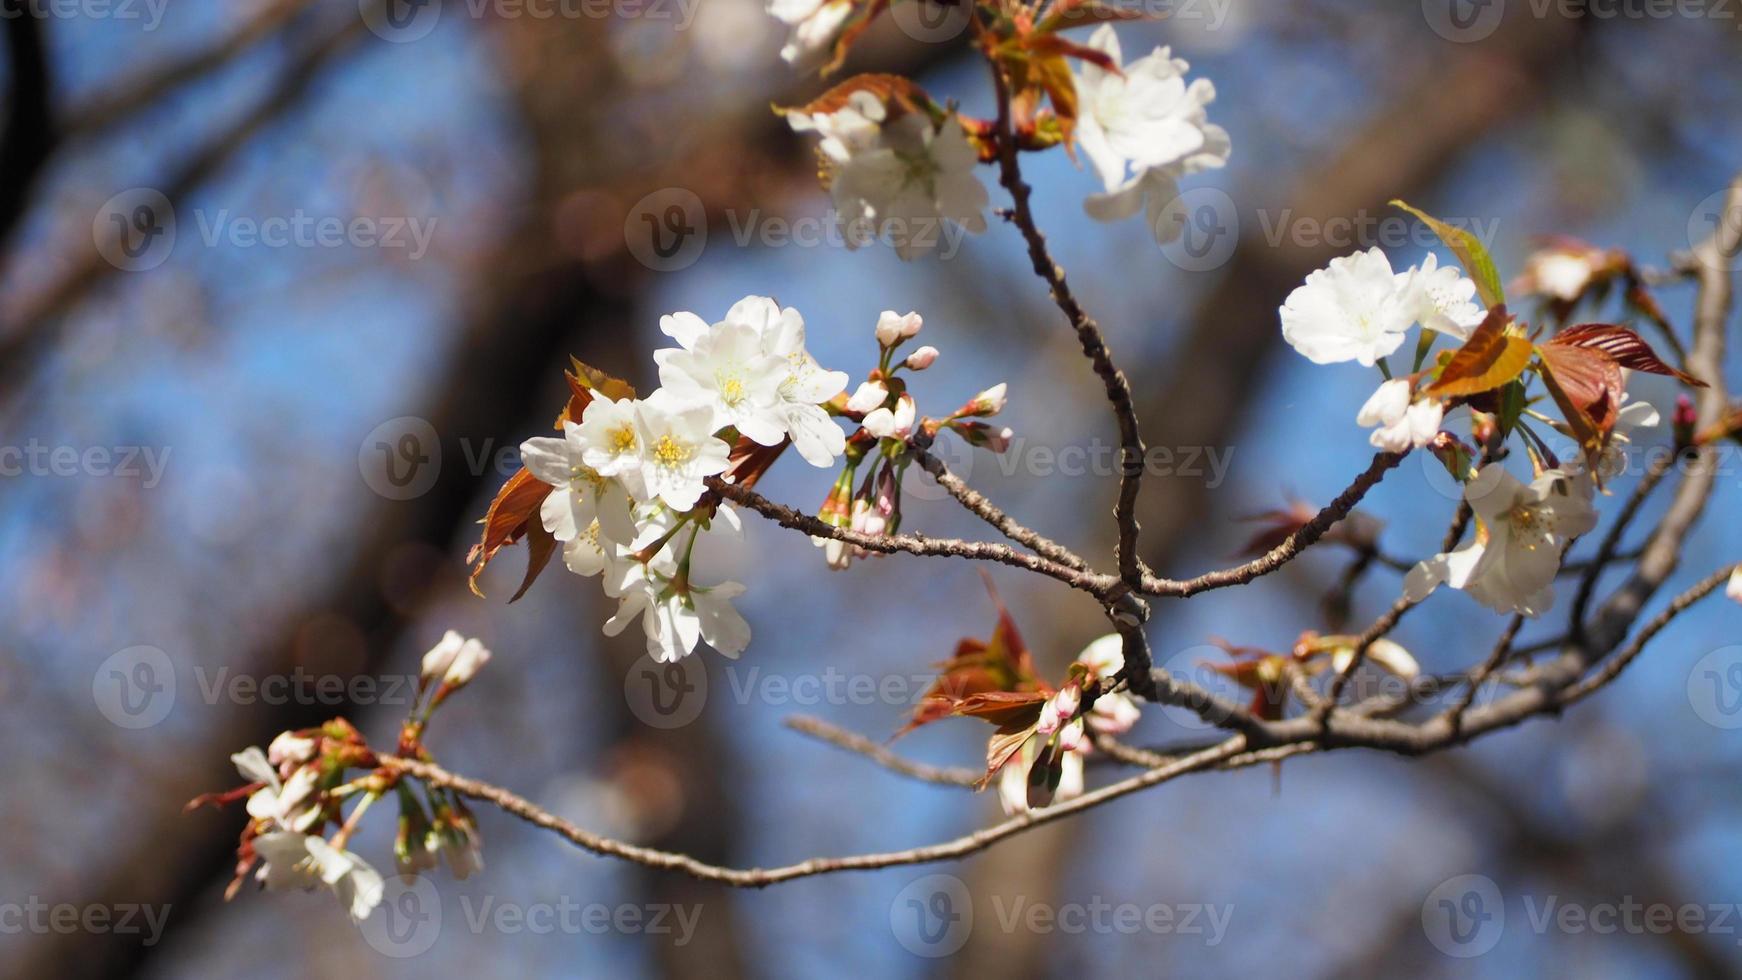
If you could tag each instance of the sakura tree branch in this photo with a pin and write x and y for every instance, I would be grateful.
(1131, 449)
(1305, 537)
(880, 754)
(523, 809)
(1618, 663)
(1496, 657)
(1103, 587)
(1654, 475)
(983, 508)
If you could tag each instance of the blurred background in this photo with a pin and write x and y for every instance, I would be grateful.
(283, 284)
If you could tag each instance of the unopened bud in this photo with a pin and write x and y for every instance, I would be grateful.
(892, 424)
(870, 396)
(984, 436)
(1685, 420)
(290, 748)
(986, 403)
(893, 327)
(921, 359)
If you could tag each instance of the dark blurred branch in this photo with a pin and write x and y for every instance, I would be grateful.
(134, 95)
(29, 137)
(41, 324)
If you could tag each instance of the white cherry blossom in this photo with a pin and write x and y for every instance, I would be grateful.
(675, 619)
(1444, 297)
(804, 389)
(896, 423)
(815, 24)
(288, 804)
(1734, 589)
(681, 450)
(727, 370)
(582, 495)
(1143, 128)
(1402, 424)
(1115, 712)
(303, 861)
(610, 442)
(792, 406)
(1510, 565)
(1351, 310)
(897, 178)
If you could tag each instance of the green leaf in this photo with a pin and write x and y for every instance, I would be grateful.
(1470, 251)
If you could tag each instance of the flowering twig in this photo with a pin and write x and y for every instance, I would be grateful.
(1307, 535)
(1101, 586)
(981, 507)
(879, 753)
(1131, 449)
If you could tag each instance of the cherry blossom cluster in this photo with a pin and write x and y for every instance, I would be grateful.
(1358, 309)
(883, 446)
(299, 786)
(1048, 764)
(900, 166)
(629, 474)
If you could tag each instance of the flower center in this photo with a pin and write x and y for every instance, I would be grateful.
(670, 452)
(581, 477)
(919, 168)
(731, 385)
(623, 439)
(1530, 523)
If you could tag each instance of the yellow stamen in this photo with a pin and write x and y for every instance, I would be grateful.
(670, 452)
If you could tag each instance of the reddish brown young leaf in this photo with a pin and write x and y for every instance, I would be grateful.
(1583, 429)
(1590, 379)
(1067, 14)
(999, 665)
(1625, 347)
(856, 25)
(1053, 44)
(540, 545)
(898, 93)
(1490, 358)
(511, 514)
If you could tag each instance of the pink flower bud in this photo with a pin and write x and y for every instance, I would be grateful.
(988, 402)
(893, 328)
(892, 424)
(870, 396)
(1685, 420)
(921, 359)
(1000, 441)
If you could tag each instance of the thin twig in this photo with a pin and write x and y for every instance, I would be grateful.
(879, 753)
(983, 508)
(1131, 449)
